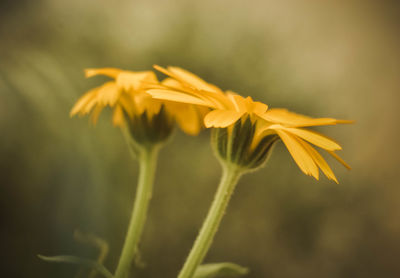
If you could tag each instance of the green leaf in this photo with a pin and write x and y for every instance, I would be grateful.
(220, 270)
(79, 261)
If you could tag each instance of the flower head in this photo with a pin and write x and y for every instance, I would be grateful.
(245, 116)
(125, 92)
(126, 95)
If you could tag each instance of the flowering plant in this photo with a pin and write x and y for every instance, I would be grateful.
(244, 133)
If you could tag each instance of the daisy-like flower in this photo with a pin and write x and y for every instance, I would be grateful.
(243, 135)
(149, 122)
(264, 125)
(125, 94)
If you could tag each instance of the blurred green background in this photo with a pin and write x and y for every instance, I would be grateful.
(320, 58)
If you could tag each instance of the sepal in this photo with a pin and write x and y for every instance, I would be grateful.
(234, 145)
(146, 130)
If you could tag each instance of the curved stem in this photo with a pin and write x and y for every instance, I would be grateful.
(230, 177)
(147, 162)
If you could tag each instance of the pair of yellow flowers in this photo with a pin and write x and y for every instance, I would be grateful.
(194, 103)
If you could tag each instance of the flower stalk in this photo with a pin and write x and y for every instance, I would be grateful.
(230, 177)
(147, 157)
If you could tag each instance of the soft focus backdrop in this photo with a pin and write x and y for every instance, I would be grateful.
(320, 58)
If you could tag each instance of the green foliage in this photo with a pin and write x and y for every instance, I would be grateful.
(220, 270)
(79, 261)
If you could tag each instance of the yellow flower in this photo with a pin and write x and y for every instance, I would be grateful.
(228, 108)
(126, 92)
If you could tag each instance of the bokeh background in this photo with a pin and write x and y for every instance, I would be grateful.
(320, 58)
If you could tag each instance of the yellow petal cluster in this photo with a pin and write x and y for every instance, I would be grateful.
(228, 107)
(126, 92)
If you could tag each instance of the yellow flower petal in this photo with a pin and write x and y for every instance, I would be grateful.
(135, 80)
(338, 158)
(302, 158)
(221, 118)
(108, 94)
(238, 102)
(144, 103)
(247, 105)
(217, 101)
(118, 116)
(315, 138)
(210, 99)
(286, 117)
(194, 86)
(188, 78)
(110, 72)
(187, 117)
(84, 103)
(259, 108)
(96, 113)
(166, 94)
(126, 101)
(172, 83)
(152, 107)
(320, 161)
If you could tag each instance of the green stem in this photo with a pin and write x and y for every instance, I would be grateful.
(147, 161)
(230, 177)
